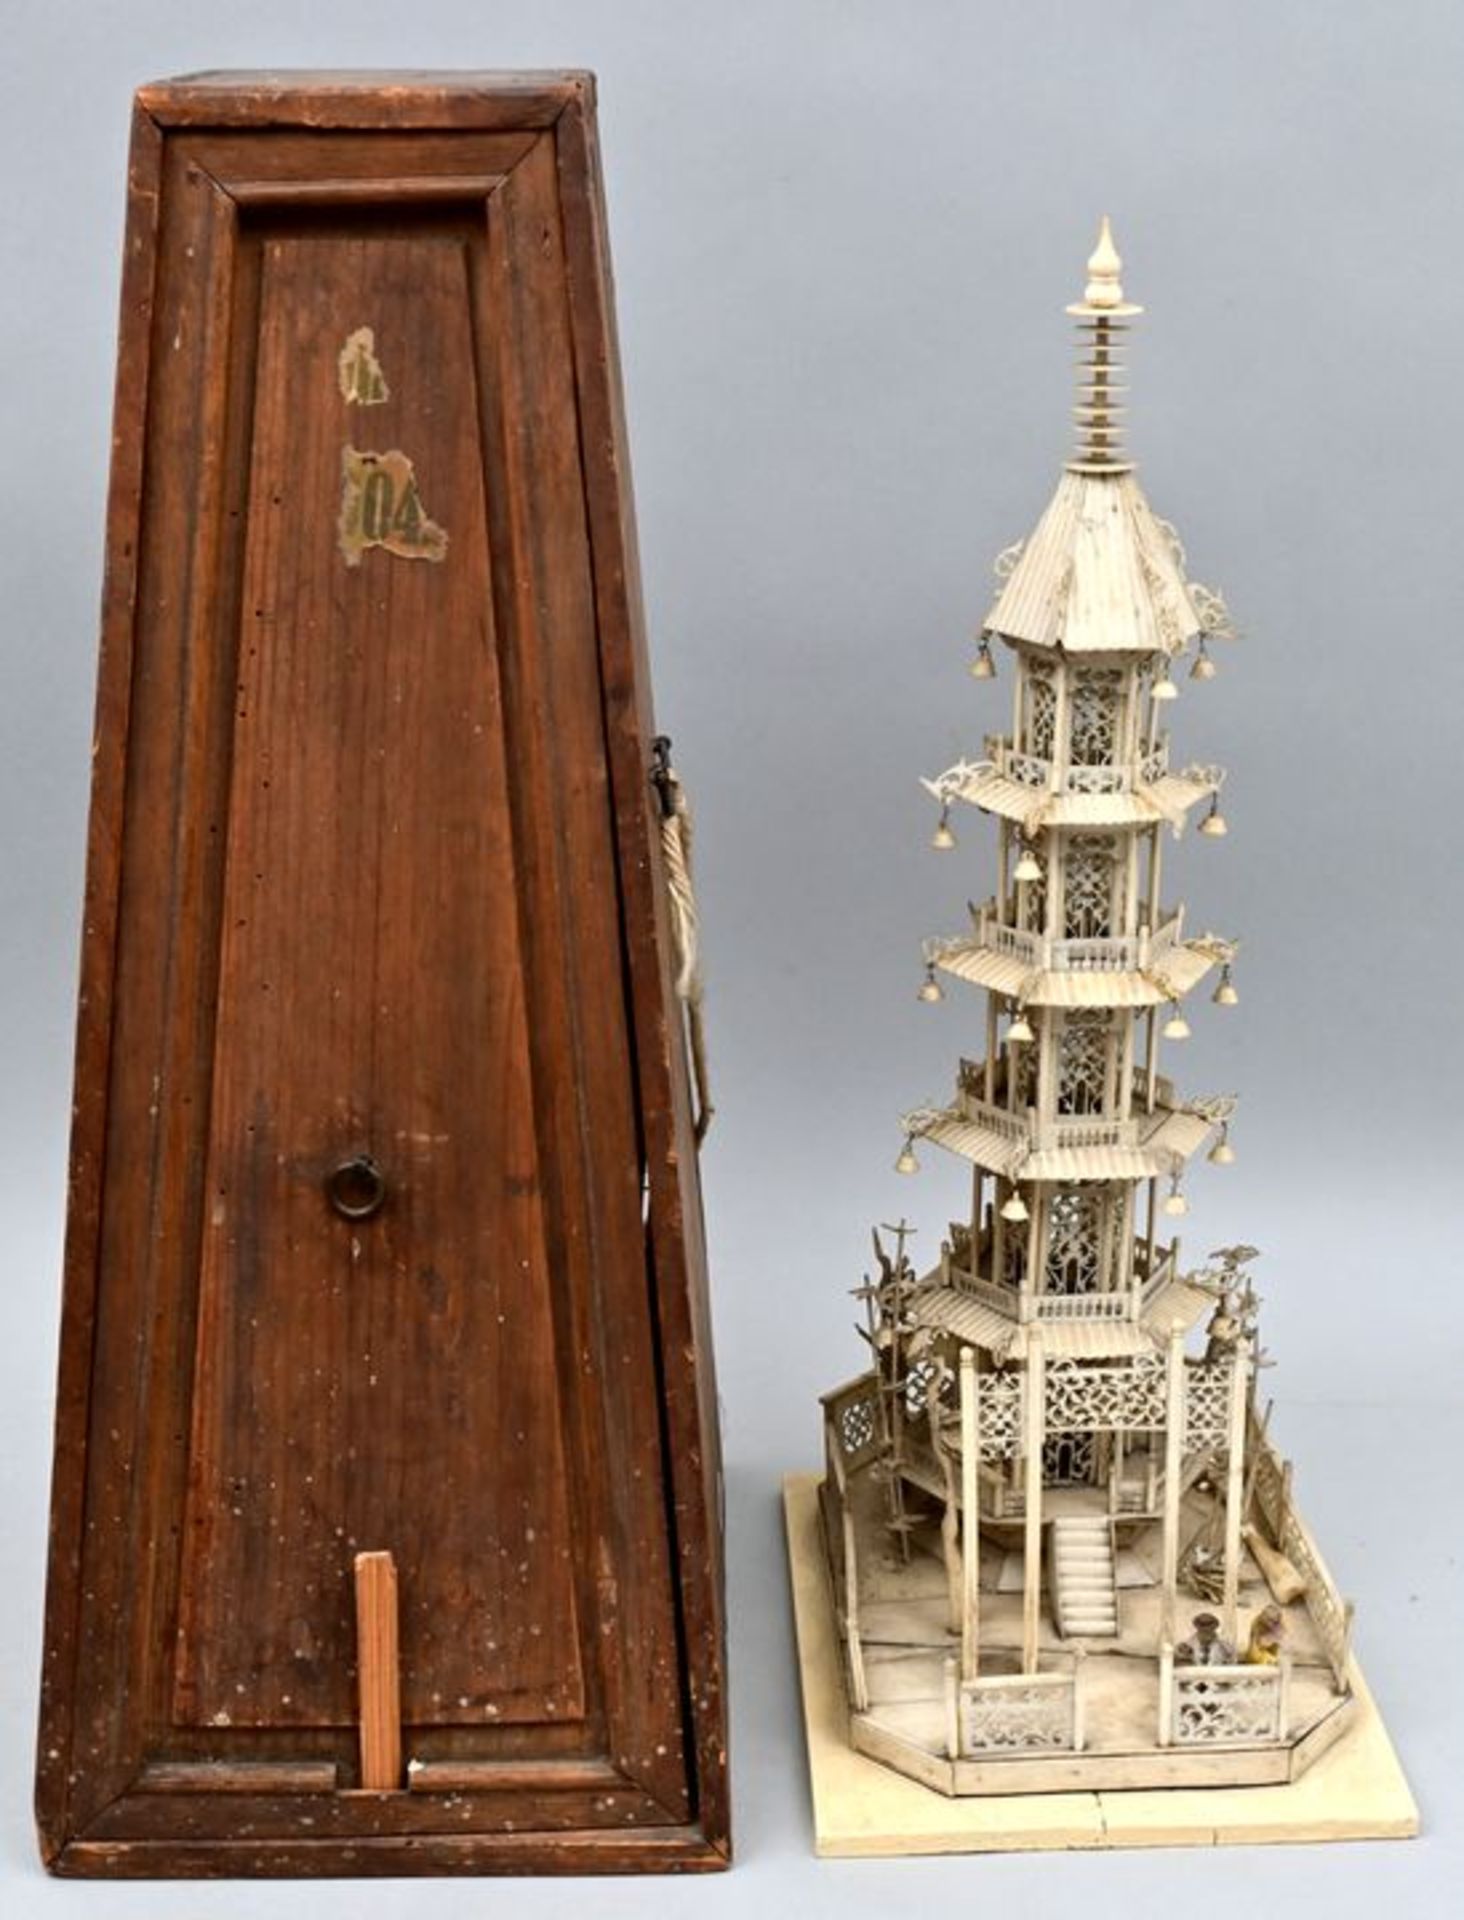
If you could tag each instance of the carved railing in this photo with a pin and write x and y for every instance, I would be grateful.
(1331, 1615)
(1065, 1130)
(1207, 1404)
(1099, 953)
(1164, 1269)
(1045, 776)
(1155, 765)
(1014, 1713)
(1229, 1706)
(1083, 1306)
(1004, 1300)
(1029, 948)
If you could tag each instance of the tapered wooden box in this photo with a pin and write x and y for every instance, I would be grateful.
(384, 1223)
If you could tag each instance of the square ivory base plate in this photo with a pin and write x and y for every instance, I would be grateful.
(1355, 1791)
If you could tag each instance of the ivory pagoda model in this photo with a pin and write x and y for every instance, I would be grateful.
(1062, 1547)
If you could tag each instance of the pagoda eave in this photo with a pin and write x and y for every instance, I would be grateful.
(1164, 802)
(1173, 972)
(1099, 574)
(954, 1310)
(1149, 1147)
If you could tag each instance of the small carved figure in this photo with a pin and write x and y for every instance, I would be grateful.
(1223, 1330)
(1207, 1649)
(1268, 1630)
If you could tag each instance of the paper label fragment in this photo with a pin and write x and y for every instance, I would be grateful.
(381, 506)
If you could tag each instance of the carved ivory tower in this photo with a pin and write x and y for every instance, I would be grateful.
(1056, 1460)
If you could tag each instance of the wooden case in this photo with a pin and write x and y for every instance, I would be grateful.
(384, 1230)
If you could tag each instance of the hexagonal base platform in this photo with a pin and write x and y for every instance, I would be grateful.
(1355, 1790)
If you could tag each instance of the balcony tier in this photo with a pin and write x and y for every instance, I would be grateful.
(1083, 1326)
(1035, 794)
(1067, 1147)
(1126, 970)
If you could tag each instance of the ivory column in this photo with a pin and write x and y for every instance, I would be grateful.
(1234, 1484)
(1173, 1467)
(970, 1517)
(1032, 1431)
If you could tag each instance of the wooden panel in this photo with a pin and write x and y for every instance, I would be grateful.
(384, 1203)
(354, 1375)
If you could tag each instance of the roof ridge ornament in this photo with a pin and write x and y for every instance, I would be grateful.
(1101, 315)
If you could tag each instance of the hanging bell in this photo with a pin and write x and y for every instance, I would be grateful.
(1222, 1154)
(930, 990)
(1020, 1031)
(943, 839)
(1176, 1027)
(1225, 994)
(1014, 1207)
(1204, 667)
(1175, 1204)
(1164, 688)
(983, 667)
(907, 1163)
(1213, 823)
(1028, 866)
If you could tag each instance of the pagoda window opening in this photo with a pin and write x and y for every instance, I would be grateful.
(1083, 1063)
(1069, 1460)
(1012, 1270)
(1090, 887)
(1041, 730)
(1097, 700)
(1024, 1073)
(1075, 1237)
(1032, 906)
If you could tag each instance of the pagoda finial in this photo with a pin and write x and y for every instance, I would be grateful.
(1104, 266)
(1101, 314)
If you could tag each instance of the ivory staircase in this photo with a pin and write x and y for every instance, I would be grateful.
(1084, 1589)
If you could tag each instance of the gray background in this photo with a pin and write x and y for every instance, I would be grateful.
(844, 235)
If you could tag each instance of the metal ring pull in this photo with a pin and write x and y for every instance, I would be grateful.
(357, 1188)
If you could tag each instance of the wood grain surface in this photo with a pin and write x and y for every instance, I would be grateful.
(384, 1229)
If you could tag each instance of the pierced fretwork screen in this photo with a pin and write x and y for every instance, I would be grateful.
(1093, 734)
(1041, 710)
(1082, 1063)
(1085, 1227)
(1075, 1240)
(1089, 874)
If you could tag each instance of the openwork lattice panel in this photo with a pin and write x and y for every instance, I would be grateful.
(1227, 1706)
(1105, 1399)
(1041, 710)
(920, 1379)
(1207, 1404)
(1087, 912)
(855, 1418)
(999, 1414)
(998, 1717)
(1082, 1063)
(1075, 1239)
(1093, 733)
